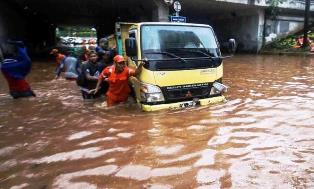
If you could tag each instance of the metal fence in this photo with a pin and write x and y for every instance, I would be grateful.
(301, 1)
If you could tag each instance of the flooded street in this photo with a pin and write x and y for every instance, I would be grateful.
(262, 137)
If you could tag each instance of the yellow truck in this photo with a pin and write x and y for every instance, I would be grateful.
(183, 63)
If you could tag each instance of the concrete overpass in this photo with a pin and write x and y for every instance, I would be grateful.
(35, 20)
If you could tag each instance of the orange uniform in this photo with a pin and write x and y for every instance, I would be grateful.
(118, 84)
(59, 58)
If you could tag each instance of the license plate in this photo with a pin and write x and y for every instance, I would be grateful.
(187, 104)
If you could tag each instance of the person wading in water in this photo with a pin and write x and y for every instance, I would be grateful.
(117, 76)
(88, 78)
(15, 65)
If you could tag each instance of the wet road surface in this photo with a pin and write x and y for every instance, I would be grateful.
(262, 137)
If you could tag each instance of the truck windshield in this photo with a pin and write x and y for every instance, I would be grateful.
(170, 44)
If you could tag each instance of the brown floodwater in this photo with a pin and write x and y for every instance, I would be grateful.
(262, 137)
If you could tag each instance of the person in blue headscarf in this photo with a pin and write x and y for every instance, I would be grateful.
(15, 66)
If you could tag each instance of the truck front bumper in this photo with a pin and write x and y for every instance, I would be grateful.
(178, 105)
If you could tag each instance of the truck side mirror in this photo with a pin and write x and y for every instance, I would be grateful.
(232, 46)
(131, 47)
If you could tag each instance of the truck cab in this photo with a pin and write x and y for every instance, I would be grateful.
(183, 65)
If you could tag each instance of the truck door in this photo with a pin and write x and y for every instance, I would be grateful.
(132, 64)
(135, 83)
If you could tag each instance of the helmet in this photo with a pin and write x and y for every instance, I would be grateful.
(118, 59)
(103, 40)
(54, 51)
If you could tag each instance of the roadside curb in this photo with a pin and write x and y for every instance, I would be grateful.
(287, 53)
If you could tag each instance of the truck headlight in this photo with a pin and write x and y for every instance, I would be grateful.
(218, 88)
(151, 93)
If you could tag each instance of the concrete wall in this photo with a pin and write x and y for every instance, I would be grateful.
(244, 20)
(281, 27)
(160, 11)
(247, 29)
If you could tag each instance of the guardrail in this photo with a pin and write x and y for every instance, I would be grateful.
(302, 1)
(288, 4)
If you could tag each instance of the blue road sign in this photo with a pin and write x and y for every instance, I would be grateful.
(178, 19)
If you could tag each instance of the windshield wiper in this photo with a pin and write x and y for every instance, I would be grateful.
(211, 55)
(201, 52)
(175, 57)
(208, 55)
(169, 54)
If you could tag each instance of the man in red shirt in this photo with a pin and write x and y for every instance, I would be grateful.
(118, 77)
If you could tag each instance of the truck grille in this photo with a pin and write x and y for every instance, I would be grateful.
(186, 92)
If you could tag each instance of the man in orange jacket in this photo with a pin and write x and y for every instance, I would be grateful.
(118, 77)
(59, 56)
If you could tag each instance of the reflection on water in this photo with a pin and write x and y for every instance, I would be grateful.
(262, 137)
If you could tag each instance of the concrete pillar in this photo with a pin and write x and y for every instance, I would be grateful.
(160, 12)
(251, 32)
(260, 31)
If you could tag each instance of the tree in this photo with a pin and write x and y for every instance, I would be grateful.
(273, 6)
(271, 12)
(306, 23)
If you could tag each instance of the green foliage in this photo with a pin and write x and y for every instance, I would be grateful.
(75, 31)
(287, 44)
(275, 3)
(273, 7)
